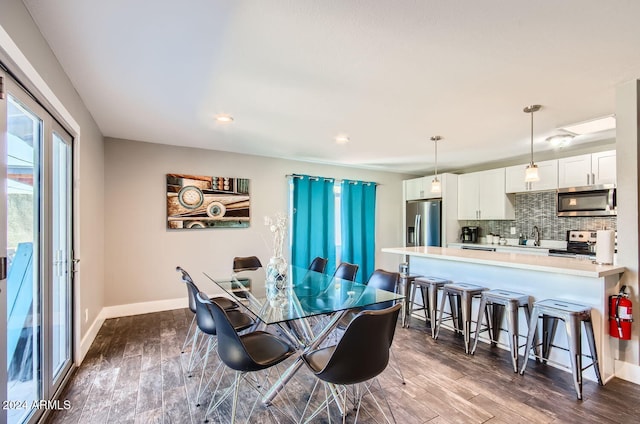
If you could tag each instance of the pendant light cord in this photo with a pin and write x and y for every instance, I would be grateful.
(531, 113)
(436, 143)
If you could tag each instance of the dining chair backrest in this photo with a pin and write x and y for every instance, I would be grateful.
(231, 350)
(191, 292)
(383, 280)
(363, 350)
(346, 271)
(204, 319)
(318, 264)
(246, 263)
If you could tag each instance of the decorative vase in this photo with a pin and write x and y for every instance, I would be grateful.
(277, 272)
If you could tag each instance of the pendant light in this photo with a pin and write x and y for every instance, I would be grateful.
(531, 173)
(436, 186)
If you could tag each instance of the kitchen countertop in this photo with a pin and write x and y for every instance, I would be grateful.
(558, 265)
(506, 246)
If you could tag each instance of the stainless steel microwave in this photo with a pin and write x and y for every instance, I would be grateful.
(597, 200)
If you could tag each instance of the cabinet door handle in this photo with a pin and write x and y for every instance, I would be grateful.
(593, 178)
(588, 179)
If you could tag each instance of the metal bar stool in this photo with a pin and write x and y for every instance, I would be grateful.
(429, 288)
(552, 310)
(404, 287)
(464, 294)
(494, 303)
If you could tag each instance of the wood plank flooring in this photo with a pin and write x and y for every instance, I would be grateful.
(135, 373)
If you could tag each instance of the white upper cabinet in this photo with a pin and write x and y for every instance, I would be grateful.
(548, 171)
(419, 188)
(603, 167)
(574, 171)
(481, 195)
(589, 169)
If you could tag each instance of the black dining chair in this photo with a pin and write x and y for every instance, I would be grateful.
(240, 321)
(192, 332)
(346, 271)
(246, 263)
(382, 280)
(246, 353)
(360, 356)
(318, 264)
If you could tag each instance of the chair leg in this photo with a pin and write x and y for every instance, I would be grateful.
(549, 326)
(530, 336)
(441, 315)
(236, 390)
(466, 320)
(483, 306)
(512, 329)
(187, 338)
(433, 302)
(396, 366)
(574, 336)
(592, 347)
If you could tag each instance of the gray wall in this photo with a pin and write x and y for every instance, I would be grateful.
(141, 253)
(89, 151)
(540, 209)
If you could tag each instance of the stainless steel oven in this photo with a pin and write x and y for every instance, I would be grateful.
(597, 200)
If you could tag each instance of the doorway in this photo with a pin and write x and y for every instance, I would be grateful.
(36, 243)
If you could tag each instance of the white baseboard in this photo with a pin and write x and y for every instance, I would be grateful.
(129, 309)
(627, 371)
(88, 339)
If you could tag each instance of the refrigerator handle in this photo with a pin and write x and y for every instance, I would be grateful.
(418, 230)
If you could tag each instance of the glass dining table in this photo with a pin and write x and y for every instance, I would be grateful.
(292, 302)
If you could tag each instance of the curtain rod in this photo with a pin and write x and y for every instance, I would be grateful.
(316, 178)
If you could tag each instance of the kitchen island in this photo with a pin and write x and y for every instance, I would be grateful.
(541, 277)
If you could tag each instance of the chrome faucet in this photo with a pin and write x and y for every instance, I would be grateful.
(536, 235)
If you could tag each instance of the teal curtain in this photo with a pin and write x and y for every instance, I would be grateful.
(358, 229)
(313, 220)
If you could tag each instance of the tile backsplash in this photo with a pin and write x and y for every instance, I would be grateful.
(540, 209)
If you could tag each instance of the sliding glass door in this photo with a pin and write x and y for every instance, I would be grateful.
(36, 241)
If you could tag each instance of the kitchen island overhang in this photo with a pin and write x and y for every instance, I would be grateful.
(541, 277)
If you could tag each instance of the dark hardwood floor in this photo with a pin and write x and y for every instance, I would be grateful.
(135, 373)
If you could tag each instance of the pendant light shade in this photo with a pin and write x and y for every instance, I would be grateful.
(436, 185)
(531, 173)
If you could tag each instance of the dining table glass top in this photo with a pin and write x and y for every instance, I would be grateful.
(304, 294)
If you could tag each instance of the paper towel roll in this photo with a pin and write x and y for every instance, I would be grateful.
(605, 246)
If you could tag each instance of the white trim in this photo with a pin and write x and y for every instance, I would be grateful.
(14, 54)
(21, 61)
(140, 308)
(117, 311)
(627, 371)
(88, 339)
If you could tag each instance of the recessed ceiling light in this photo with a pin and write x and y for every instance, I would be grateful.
(342, 139)
(592, 126)
(560, 140)
(224, 117)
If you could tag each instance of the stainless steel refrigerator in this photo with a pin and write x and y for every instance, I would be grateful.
(424, 224)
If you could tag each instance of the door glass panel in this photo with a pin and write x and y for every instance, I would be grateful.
(24, 380)
(61, 282)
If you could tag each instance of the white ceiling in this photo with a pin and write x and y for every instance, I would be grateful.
(390, 74)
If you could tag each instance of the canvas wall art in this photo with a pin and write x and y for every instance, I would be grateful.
(196, 201)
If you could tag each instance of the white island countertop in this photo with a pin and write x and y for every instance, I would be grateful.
(558, 265)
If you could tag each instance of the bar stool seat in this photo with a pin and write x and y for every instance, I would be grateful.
(552, 310)
(405, 289)
(464, 294)
(429, 287)
(493, 303)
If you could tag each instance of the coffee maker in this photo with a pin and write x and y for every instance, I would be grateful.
(469, 234)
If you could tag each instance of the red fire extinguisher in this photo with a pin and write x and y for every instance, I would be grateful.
(620, 317)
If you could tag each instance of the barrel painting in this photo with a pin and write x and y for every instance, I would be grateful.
(196, 201)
